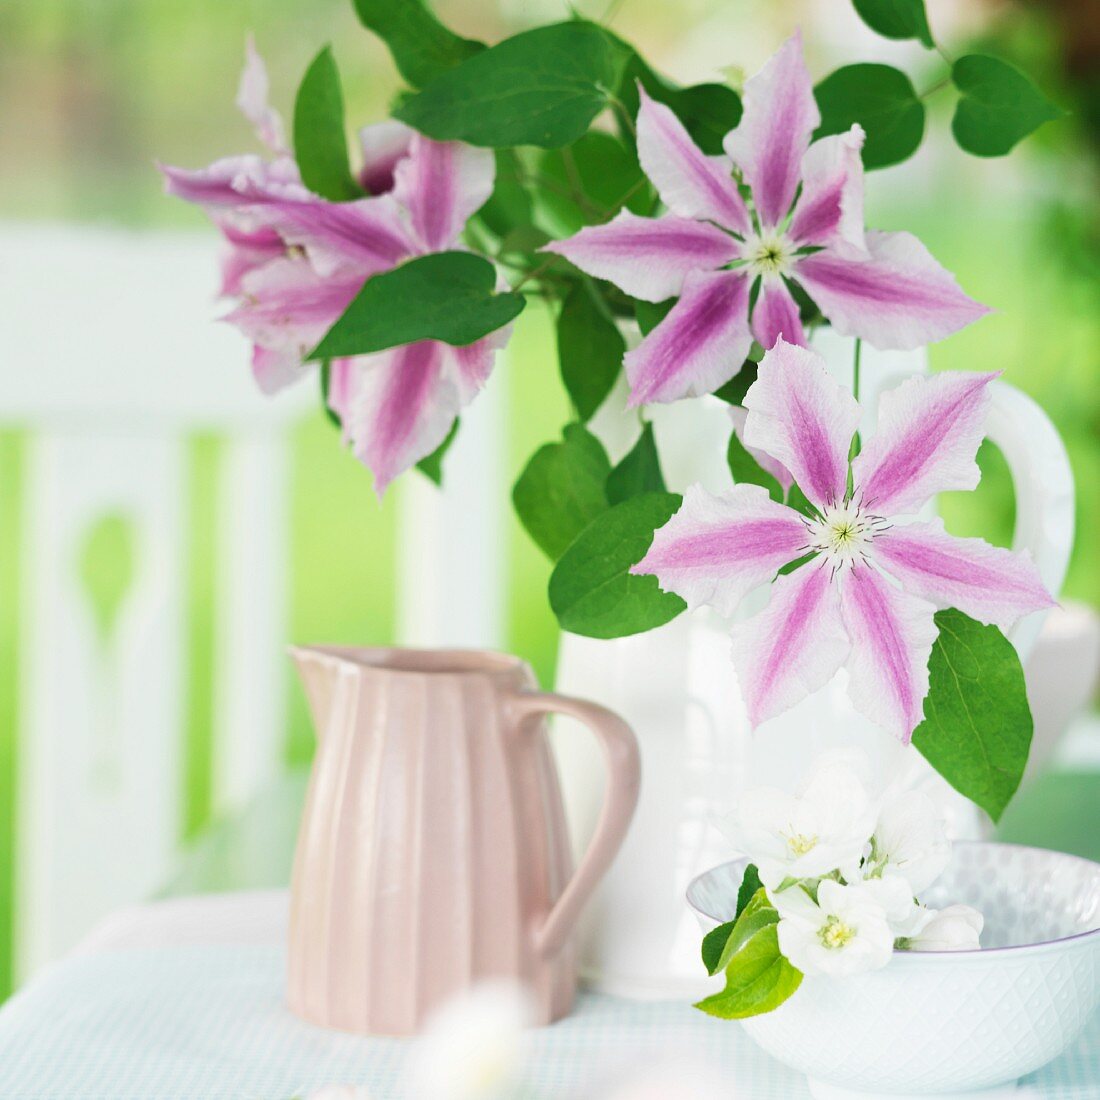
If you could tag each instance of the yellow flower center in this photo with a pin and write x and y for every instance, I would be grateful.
(800, 844)
(835, 934)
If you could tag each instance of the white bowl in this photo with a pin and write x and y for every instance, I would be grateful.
(946, 1023)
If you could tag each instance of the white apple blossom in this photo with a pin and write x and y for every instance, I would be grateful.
(844, 932)
(894, 896)
(910, 840)
(825, 827)
(473, 1047)
(956, 928)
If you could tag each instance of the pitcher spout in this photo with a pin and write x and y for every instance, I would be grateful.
(318, 668)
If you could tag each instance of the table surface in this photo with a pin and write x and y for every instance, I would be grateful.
(182, 999)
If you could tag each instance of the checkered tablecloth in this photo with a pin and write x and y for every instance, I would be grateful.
(183, 1000)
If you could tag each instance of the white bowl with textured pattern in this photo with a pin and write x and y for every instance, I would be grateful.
(948, 1024)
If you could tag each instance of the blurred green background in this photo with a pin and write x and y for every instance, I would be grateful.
(93, 91)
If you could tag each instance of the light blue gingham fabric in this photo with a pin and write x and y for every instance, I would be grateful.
(209, 1023)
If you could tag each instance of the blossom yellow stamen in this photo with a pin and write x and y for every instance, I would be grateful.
(835, 934)
(800, 844)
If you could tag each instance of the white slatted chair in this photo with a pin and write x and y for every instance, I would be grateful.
(113, 362)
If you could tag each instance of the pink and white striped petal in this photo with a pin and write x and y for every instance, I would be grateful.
(775, 130)
(898, 297)
(927, 436)
(829, 210)
(276, 368)
(236, 182)
(776, 314)
(649, 258)
(441, 184)
(382, 145)
(794, 646)
(249, 249)
(689, 182)
(367, 235)
(252, 100)
(717, 549)
(985, 582)
(287, 306)
(892, 634)
(738, 415)
(804, 419)
(700, 345)
(401, 408)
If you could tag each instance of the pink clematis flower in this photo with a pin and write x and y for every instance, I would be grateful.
(805, 225)
(296, 261)
(398, 405)
(866, 597)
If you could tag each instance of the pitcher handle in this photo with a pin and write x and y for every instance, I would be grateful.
(624, 777)
(1043, 483)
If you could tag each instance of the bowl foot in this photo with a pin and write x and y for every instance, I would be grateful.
(819, 1090)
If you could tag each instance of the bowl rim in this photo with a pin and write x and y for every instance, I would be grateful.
(941, 956)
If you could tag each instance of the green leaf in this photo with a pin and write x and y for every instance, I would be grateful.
(588, 182)
(542, 87)
(746, 470)
(757, 914)
(590, 349)
(448, 296)
(651, 314)
(758, 979)
(883, 101)
(639, 472)
(896, 19)
(977, 724)
(320, 143)
(591, 589)
(431, 466)
(998, 106)
(421, 46)
(562, 489)
(714, 943)
(733, 392)
(509, 206)
(750, 884)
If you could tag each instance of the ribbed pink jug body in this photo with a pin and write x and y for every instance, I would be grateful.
(433, 844)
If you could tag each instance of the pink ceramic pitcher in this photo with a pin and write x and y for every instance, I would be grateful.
(433, 850)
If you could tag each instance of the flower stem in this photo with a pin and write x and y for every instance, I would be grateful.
(855, 368)
(937, 86)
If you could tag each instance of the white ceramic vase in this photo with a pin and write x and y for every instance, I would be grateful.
(676, 687)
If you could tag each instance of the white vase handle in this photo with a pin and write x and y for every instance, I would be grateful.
(1043, 483)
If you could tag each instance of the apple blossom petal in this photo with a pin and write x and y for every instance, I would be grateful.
(698, 346)
(892, 634)
(383, 145)
(441, 184)
(738, 415)
(776, 314)
(402, 408)
(287, 306)
(716, 549)
(775, 130)
(794, 646)
(367, 235)
(928, 433)
(252, 100)
(649, 258)
(899, 297)
(804, 419)
(985, 582)
(689, 182)
(830, 207)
